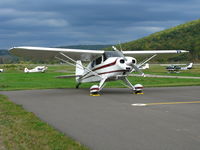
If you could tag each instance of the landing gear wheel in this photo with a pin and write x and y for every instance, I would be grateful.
(138, 89)
(77, 86)
(139, 92)
(94, 90)
(94, 94)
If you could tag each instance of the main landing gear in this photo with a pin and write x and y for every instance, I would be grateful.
(95, 89)
(137, 89)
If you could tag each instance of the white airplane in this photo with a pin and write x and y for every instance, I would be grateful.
(177, 68)
(104, 66)
(146, 66)
(1, 70)
(36, 69)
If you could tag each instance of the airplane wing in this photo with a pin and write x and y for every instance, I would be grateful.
(140, 52)
(44, 53)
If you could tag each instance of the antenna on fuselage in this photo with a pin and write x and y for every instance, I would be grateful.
(120, 46)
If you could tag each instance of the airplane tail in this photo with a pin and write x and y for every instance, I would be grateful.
(79, 69)
(26, 70)
(190, 66)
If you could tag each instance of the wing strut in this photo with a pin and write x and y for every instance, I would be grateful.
(145, 61)
(75, 65)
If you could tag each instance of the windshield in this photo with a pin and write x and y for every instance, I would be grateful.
(108, 54)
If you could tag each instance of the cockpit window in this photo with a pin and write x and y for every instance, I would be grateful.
(96, 61)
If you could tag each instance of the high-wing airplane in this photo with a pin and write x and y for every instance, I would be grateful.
(104, 66)
(36, 69)
(177, 68)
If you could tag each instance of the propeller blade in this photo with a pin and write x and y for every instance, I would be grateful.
(138, 70)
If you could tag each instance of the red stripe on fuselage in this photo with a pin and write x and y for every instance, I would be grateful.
(104, 66)
(106, 73)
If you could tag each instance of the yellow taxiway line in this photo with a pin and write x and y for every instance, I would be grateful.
(165, 103)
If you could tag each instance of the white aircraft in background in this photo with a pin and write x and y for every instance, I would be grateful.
(36, 69)
(177, 68)
(145, 66)
(104, 66)
(1, 70)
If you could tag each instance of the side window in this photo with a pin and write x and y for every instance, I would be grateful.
(104, 57)
(93, 63)
(98, 60)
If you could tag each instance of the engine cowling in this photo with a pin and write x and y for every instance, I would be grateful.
(131, 61)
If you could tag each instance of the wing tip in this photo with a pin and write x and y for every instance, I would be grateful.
(183, 51)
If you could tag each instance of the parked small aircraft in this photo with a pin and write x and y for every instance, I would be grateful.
(145, 66)
(36, 69)
(104, 66)
(177, 68)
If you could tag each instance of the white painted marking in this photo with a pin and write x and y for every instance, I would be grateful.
(139, 104)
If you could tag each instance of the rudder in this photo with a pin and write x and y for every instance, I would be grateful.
(79, 69)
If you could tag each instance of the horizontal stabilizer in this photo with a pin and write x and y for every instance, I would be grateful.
(68, 76)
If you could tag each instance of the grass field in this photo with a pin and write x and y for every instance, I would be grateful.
(14, 79)
(22, 130)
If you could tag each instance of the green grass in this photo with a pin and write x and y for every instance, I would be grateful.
(20, 129)
(14, 78)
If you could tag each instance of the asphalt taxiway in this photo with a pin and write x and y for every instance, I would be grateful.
(169, 120)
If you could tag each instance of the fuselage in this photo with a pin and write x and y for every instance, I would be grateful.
(110, 66)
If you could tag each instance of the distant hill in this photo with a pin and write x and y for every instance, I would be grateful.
(185, 36)
(6, 58)
(3, 52)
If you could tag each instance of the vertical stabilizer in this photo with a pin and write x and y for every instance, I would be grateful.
(190, 66)
(26, 70)
(79, 69)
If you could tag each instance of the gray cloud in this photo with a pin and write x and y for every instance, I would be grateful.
(61, 22)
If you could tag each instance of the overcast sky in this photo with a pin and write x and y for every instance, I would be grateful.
(73, 22)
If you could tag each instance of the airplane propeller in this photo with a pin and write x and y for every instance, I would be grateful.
(135, 67)
(138, 70)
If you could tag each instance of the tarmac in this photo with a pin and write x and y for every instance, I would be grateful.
(162, 119)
